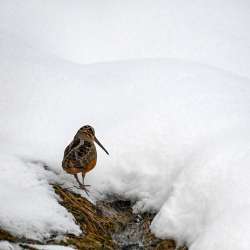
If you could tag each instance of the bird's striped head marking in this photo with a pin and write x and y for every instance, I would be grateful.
(88, 132)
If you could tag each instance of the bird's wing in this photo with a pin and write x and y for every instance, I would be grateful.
(78, 154)
(74, 144)
(85, 153)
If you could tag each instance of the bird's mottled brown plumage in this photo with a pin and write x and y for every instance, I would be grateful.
(80, 155)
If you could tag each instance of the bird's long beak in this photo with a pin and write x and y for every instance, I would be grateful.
(101, 146)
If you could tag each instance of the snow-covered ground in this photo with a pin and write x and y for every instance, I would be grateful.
(176, 125)
(5, 245)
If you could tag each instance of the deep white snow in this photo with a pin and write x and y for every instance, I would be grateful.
(177, 129)
(29, 206)
(213, 32)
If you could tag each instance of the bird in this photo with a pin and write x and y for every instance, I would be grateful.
(80, 155)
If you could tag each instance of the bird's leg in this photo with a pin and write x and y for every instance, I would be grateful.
(82, 186)
(76, 177)
(83, 176)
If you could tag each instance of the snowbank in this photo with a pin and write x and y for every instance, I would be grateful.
(29, 207)
(213, 32)
(177, 132)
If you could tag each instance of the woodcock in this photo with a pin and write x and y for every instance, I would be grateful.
(80, 155)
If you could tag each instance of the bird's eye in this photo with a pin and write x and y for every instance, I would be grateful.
(88, 129)
(91, 130)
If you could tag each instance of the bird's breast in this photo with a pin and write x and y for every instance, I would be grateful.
(89, 166)
(81, 158)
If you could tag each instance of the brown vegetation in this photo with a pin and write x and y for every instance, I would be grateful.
(109, 224)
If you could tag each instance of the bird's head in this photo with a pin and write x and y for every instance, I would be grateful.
(88, 132)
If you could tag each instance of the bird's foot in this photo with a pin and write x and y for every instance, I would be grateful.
(83, 187)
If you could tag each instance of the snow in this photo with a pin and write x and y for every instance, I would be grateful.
(177, 129)
(30, 208)
(52, 247)
(5, 245)
(211, 32)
